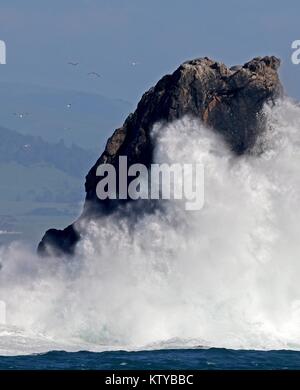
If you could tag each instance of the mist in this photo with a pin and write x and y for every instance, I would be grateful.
(223, 276)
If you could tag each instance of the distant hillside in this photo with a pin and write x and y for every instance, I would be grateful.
(56, 138)
(29, 150)
(84, 119)
(40, 183)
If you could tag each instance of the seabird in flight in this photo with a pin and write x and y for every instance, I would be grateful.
(94, 74)
(20, 114)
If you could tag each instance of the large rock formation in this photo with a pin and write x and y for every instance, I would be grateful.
(230, 101)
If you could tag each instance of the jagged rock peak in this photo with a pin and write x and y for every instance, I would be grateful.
(228, 100)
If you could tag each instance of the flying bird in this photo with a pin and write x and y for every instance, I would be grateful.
(73, 63)
(69, 105)
(94, 74)
(20, 114)
(135, 63)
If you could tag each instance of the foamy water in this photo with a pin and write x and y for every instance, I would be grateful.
(224, 276)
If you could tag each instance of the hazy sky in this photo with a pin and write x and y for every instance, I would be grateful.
(106, 36)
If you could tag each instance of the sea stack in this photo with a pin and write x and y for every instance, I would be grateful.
(227, 100)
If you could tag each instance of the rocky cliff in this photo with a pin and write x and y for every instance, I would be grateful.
(228, 100)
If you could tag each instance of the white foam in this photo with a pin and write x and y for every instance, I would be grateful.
(225, 276)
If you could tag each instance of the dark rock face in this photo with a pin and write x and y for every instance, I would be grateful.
(228, 100)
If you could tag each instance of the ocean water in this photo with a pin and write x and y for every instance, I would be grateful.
(226, 276)
(176, 359)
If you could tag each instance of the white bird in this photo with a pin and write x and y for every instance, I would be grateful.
(135, 63)
(69, 105)
(20, 114)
